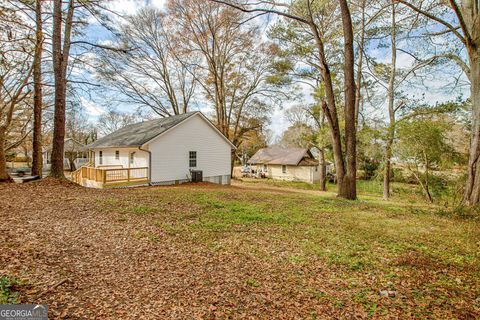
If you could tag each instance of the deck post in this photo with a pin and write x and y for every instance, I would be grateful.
(104, 173)
(128, 174)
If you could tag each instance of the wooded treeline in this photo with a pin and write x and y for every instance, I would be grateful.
(350, 73)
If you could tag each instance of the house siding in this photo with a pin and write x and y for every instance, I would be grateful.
(140, 158)
(170, 153)
(294, 173)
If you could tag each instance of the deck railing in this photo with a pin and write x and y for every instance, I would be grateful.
(110, 175)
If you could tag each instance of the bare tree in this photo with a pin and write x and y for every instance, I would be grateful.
(391, 107)
(112, 120)
(306, 130)
(67, 16)
(344, 154)
(15, 72)
(465, 27)
(154, 73)
(60, 53)
(37, 158)
(235, 68)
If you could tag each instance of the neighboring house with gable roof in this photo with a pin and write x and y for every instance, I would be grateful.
(293, 164)
(159, 152)
(74, 155)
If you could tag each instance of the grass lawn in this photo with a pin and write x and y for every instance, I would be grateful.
(253, 250)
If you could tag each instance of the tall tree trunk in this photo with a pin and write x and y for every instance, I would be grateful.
(391, 111)
(348, 188)
(37, 160)
(4, 177)
(427, 185)
(336, 145)
(59, 116)
(60, 63)
(388, 165)
(358, 95)
(427, 188)
(472, 188)
(71, 161)
(232, 162)
(330, 109)
(323, 170)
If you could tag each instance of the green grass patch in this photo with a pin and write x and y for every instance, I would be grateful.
(8, 290)
(219, 214)
(146, 235)
(142, 210)
(428, 256)
(252, 283)
(284, 184)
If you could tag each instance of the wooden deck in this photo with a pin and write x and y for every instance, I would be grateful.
(110, 176)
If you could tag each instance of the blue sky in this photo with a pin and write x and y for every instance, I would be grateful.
(434, 88)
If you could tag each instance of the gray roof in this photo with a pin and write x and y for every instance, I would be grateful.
(70, 145)
(283, 156)
(135, 135)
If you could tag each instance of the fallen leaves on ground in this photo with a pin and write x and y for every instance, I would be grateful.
(139, 253)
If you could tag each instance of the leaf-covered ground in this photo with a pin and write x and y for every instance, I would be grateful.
(245, 251)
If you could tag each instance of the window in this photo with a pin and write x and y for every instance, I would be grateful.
(264, 167)
(100, 157)
(117, 155)
(132, 158)
(284, 169)
(192, 157)
(316, 168)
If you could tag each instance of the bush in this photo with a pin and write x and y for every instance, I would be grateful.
(403, 176)
(368, 168)
(438, 185)
(461, 212)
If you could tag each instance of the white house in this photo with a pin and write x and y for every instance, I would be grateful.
(158, 152)
(75, 153)
(293, 164)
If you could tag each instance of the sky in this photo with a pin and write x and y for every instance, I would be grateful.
(434, 88)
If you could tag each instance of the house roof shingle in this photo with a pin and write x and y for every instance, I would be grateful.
(70, 145)
(283, 156)
(135, 135)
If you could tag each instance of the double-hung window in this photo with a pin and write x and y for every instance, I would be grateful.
(100, 157)
(117, 155)
(192, 159)
(284, 169)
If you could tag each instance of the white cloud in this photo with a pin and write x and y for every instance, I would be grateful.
(404, 60)
(158, 3)
(128, 7)
(125, 7)
(278, 122)
(91, 107)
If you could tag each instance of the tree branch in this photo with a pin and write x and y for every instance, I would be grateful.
(280, 13)
(439, 20)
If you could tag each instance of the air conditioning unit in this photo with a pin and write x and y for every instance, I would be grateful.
(197, 175)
